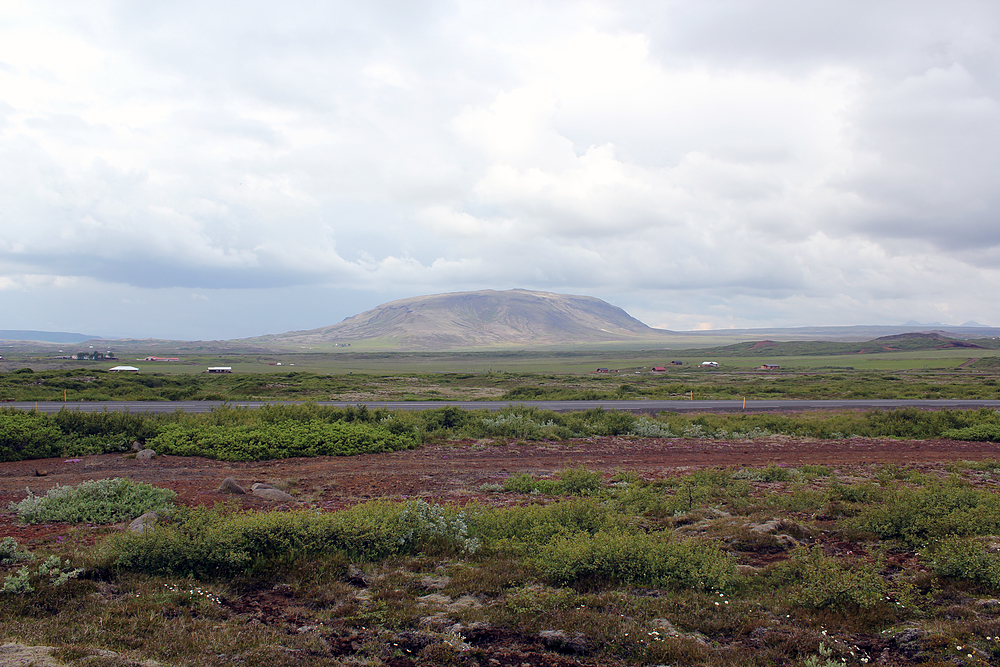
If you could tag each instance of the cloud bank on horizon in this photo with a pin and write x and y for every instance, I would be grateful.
(221, 169)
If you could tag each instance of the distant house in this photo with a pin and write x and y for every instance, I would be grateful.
(659, 369)
(769, 367)
(710, 364)
(161, 359)
(603, 370)
(123, 369)
(676, 363)
(220, 369)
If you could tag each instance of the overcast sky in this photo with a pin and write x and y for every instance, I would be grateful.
(211, 169)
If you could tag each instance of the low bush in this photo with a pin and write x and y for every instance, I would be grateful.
(522, 530)
(919, 516)
(978, 433)
(9, 553)
(211, 543)
(818, 581)
(102, 501)
(27, 435)
(618, 557)
(964, 558)
(570, 482)
(279, 440)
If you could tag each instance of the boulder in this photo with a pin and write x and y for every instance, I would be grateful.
(269, 493)
(230, 485)
(144, 523)
(559, 640)
(145, 454)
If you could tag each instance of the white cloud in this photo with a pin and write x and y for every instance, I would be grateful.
(757, 163)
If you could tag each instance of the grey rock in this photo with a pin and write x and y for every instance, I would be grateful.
(559, 640)
(273, 494)
(909, 641)
(230, 485)
(260, 485)
(145, 454)
(144, 523)
(136, 446)
(356, 576)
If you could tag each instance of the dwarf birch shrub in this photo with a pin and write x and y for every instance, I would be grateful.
(522, 530)
(208, 543)
(27, 435)
(918, 516)
(266, 440)
(618, 557)
(964, 558)
(101, 501)
(819, 581)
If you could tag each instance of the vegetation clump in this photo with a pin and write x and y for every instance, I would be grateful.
(100, 502)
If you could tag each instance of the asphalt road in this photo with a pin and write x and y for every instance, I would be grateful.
(558, 406)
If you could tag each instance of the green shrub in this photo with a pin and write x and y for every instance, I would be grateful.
(649, 428)
(979, 433)
(102, 501)
(9, 553)
(209, 543)
(522, 530)
(285, 439)
(617, 557)
(819, 581)
(18, 583)
(918, 516)
(579, 481)
(570, 482)
(964, 558)
(27, 435)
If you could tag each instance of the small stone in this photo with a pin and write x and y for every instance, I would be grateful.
(145, 455)
(137, 446)
(41, 473)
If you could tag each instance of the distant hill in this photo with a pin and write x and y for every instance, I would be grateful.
(485, 318)
(906, 342)
(43, 336)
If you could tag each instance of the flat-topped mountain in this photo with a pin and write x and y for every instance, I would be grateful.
(485, 318)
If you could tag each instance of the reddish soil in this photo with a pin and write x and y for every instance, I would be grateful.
(452, 472)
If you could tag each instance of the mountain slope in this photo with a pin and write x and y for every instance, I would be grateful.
(486, 318)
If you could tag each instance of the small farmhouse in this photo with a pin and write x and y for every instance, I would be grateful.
(710, 364)
(769, 367)
(659, 369)
(220, 369)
